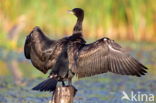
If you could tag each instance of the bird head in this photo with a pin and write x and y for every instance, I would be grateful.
(78, 12)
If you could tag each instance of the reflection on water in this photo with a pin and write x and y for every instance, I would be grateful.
(105, 88)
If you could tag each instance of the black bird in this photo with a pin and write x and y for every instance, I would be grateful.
(71, 56)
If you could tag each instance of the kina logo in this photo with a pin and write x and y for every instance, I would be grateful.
(138, 97)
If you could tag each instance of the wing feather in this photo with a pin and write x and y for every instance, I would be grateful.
(39, 48)
(105, 55)
(27, 47)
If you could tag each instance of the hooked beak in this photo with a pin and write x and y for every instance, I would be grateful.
(70, 11)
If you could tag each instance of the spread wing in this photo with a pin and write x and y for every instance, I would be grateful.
(27, 47)
(39, 49)
(105, 55)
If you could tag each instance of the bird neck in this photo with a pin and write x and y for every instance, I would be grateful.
(78, 25)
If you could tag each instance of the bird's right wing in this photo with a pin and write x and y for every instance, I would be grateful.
(105, 55)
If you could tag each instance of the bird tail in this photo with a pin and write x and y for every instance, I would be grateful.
(47, 85)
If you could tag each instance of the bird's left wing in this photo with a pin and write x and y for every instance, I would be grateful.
(27, 47)
(105, 55)
(41, 50)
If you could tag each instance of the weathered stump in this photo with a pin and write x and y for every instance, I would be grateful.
(63, 94)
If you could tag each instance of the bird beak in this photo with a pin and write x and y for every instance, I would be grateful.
(70, 11)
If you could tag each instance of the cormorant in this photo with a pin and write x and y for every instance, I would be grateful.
(71, 56)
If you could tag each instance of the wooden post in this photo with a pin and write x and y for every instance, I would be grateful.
(63, 94)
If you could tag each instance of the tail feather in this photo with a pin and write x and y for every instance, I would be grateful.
(46, 85)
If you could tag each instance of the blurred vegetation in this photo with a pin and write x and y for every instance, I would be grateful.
(119, 19)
